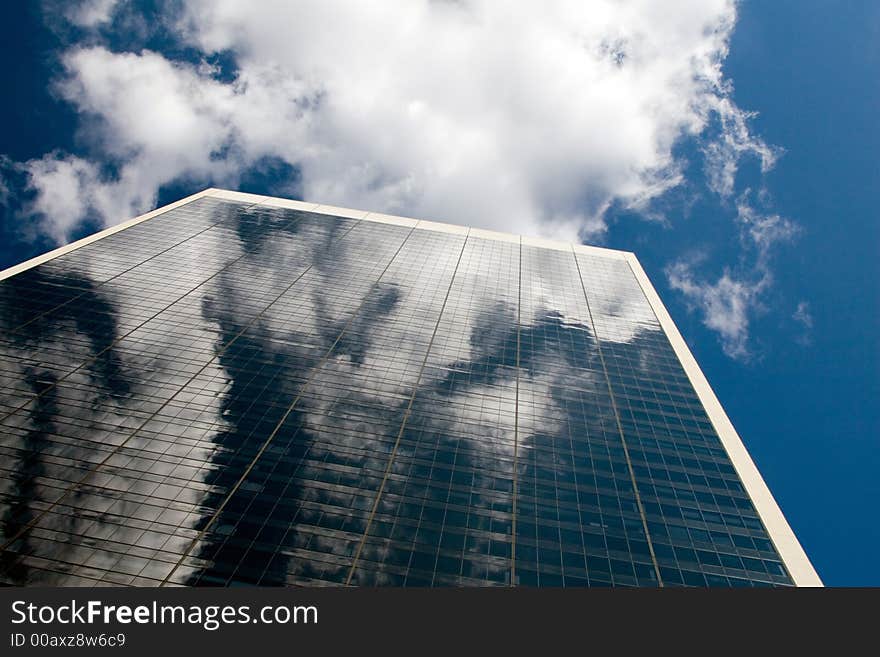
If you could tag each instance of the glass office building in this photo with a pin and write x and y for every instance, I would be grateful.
(236, 389)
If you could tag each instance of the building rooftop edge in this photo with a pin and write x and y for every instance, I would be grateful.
(317, 208)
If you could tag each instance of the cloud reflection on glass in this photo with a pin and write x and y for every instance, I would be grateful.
(241, 394)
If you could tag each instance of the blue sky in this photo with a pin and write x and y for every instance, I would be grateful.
(732, 147)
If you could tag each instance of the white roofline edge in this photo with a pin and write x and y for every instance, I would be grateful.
(317, 208)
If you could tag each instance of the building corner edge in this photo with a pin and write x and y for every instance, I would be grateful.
(790, 550)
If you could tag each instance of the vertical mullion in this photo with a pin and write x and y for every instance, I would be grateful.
(405, 419)
(516, 421)
(629, 466)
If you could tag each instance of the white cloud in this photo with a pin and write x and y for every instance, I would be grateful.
(728, 303)
(506, 116)
(734, 142)
(762, 231)
(512, 116)
(725, 304)
(63, 185)
(6, 167)
(804, 318)
(89, 13)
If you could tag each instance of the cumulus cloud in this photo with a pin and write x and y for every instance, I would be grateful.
(63, 185)
(89, 13)
(505, 116)
(525, 118)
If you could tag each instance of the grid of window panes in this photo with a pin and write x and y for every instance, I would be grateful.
(703, 527)
(577, 519)
(444, 517)
(234, 393)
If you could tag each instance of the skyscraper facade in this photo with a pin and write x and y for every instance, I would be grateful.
(237, 389)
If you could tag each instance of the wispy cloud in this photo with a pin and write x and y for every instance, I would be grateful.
(6, 166)
(734, 142)
(762, 230)
(804, 318)
(728, 302)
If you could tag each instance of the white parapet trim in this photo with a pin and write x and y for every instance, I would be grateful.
(340, 212)
(601, 251)
(270, 201)
(273, 202)
(545, 243)
(441, 228)
(73, 246)
(793, 555)
(495, 236)
(243, 197)
(391, 219)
